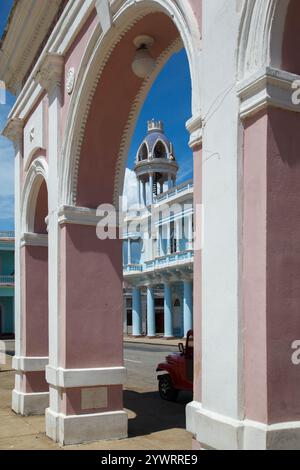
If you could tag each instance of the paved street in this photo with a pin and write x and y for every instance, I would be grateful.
(153, 423)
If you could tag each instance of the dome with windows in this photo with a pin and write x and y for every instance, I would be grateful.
(156, 144)
(156, 167)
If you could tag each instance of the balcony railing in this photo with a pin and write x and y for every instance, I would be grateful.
(7, 234)
(161, 262)
(175, 191)
(7, 280)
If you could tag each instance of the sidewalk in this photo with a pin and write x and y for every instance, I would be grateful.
(147, 430)
(158, 341)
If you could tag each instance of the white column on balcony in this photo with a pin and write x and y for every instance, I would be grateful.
(151, 187)
(190, 232)
(169, 181)
(168, 238)
(139, 191)
(178, 234)
(129, 251)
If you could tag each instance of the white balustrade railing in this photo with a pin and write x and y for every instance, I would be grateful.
(7, 280)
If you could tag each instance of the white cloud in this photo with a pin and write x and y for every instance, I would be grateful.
(130, 190)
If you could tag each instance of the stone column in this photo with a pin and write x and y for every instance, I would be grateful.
(150, 312)
(151, 187)
(187, 306)
(168, 311)
(129, 251)
(136, 312)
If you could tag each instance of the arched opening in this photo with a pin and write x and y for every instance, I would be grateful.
(143, 154)
(33, 347)
(160, 150)
(94, 265)
(290, 56)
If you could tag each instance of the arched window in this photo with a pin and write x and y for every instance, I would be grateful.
(160, 150)
(143, 154)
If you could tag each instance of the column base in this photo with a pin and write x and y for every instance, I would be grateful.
(29, 403)
(79, 429)
(215, 431)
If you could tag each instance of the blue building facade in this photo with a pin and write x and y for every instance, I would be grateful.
(158, 244)
(6, 284)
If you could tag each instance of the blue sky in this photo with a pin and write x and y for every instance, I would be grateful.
(169, 100)
(6, 147)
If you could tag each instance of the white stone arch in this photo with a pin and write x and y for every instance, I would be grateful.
(260, 35)
(37, 174)
(94, 60)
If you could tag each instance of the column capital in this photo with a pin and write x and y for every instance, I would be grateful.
(50, 73)
(194, 126)
(268, 88)
(14, 130)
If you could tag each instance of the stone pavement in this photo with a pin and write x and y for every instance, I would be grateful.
(146, 430)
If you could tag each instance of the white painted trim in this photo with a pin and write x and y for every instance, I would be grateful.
(78, 216)
(194, 126)
(37, 173)
(28, 404)
(77, 429)
(66, 378)
(269, 87)
(29, 364)
(33, 239)
(215, 431)
(260, 35)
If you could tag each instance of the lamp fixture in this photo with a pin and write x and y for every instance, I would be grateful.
(143, 63)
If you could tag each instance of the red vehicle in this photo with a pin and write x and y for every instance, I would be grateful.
(179, 371)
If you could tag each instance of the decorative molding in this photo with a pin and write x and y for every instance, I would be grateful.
(270, 87)
(50, 73)
(260, 36)
(78, 216)
(34, 239)
(70, 378)
(70, 80)
(194, 126)
(29, 364)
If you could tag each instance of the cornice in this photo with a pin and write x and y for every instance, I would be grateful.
(268, 88)
(34, 239)
(78, 216)
(14, 130)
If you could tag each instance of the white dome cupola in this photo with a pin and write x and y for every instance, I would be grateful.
(156, 164)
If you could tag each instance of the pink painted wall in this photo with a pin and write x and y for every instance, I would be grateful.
(35, 382)
(272, 266)
(73, 58)
(197, 277)
(290, 49)
(105, 126)
(92, 302)
(35, 298)
(254, 267)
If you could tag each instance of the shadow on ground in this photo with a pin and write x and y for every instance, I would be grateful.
(149, 413)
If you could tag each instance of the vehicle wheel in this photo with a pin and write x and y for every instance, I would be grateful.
(166, 389)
